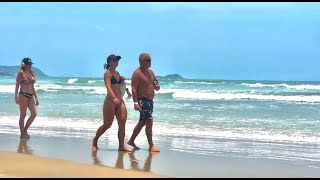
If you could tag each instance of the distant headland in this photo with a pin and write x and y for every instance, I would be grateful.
(13, 70)
(171, 77)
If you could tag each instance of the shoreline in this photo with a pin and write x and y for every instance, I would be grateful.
(224, 163)
(14, 165)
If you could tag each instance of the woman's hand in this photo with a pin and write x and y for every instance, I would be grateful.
(116, 101)
(122, 78)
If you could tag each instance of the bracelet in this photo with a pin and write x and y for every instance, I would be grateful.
(135, 103)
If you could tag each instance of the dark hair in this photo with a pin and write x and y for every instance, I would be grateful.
(113, 58)
(106, 66)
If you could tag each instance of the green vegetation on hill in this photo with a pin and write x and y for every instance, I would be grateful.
(171, 77)
(13, 70)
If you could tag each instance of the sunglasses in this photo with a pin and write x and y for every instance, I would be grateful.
(115, 60)
(148, 60)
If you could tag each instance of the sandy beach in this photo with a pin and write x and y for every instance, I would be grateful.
(23, 165)
(239, 93)
(43, 156)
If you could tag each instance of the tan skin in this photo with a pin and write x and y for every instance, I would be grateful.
(142, 83)
(26, 86)
(113, 106)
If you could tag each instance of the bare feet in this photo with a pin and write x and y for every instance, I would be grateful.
(133, 145)
(94, 154)
(27, 136)
(94, 145)
(153, 153)
(124, 149)
(154, 149)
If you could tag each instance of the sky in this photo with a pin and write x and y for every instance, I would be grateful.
(208, 40)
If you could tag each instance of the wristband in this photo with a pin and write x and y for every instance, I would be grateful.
(135, 103)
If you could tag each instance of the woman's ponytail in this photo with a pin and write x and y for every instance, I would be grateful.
(106, 66)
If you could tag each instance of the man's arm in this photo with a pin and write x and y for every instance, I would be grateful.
(155, 82)
(134, 90)
(134, 86)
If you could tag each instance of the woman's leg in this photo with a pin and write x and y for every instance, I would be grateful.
(108, 116)
(23, 104)
(121, 115)
(33, 109)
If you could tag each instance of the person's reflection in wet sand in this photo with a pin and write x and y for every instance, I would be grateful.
(133, 161)
(95, 159)
(23, 147)
(147, 163)
(119, 163)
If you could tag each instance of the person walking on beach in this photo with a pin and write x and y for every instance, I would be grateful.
(129, 93)
(113, 104)
(27, 97)
(143, 84)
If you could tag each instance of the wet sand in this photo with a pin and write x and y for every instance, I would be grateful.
(23, 165)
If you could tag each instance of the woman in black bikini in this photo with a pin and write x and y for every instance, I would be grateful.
(113, 104)
(27, 97)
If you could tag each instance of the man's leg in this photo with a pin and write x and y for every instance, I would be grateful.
(135, 133)
(149, 124)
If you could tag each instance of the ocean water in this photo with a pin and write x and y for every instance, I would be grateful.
(255, 119)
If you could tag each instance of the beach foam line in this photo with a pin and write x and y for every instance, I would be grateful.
(64, 127)
(298, 87)
(207, 95)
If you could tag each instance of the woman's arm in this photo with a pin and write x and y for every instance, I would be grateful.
(107, 82)
(35, 95)
(17, 88)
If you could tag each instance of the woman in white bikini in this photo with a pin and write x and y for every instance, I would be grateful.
(27, 97)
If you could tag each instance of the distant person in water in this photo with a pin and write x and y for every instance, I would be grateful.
(113, 104)
(129, 93)
(26, 97)
(143, 84)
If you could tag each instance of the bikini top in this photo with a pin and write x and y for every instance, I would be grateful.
(26, 80)
(114, 80)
